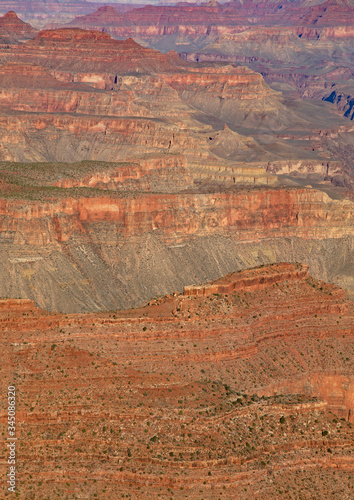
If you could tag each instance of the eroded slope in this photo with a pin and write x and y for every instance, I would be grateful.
(244, 394)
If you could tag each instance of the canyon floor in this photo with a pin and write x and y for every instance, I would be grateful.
(241, 388)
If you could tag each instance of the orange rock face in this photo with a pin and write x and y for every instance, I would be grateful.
(172, 173)
(245, 393)
(249, 281)
(249, 213)
(170, 131)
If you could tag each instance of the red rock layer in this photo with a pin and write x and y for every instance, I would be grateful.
(249, 281)
(65, 251)
(211, 20)
(247, 394)
(93, 51)
(123, 79)
(252, 215)
(329, 13)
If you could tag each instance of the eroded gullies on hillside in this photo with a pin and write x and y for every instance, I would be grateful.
(303, 51)
(190, 395)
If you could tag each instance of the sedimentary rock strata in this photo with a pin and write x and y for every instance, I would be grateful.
(13, 30)
(165, 144)
(71, 94)
(244, 394)
(57, 251)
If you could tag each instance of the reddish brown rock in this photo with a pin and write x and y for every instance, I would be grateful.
(41, 12)
(247, 393)
(13, 30)
(249, 281)
(93, 50)
(50, 241)
(329, 13)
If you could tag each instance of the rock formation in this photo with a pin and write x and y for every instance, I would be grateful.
(13, 30)
(244, 393)
(132, 176)
(301, 50)
(39, 13)
(178, 103)
(329, 13)
(107, 249)
(153, 151)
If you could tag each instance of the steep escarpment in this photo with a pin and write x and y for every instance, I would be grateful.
(194, 21)
(301, 51)
(42, 12)
(247, 390)
(98, 51)
(329, 13)
(106, 252)
(181, 27)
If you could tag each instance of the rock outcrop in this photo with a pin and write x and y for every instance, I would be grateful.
(300, 50)
(190, 23)
(40, 13)
(13, 30)
(71, 95)
(249, 281)
(329, 13)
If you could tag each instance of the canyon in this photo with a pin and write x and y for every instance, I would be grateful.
(305, 52)
(41, 12)
(177, 248)
(121, 164)
(116, 251)
(242, 392)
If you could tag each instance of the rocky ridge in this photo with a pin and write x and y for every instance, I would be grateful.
(41, 12)
(177, 104)
(304, 51)
(158, 136)
(13, 30)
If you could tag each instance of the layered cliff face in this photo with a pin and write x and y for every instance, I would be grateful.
(193, 25)
(108, 252)
(168, 143)
(301, 46)
(305, 52)
(98, 53)
(329, 13)
(41, 12)
(14, 31)
(244, 393)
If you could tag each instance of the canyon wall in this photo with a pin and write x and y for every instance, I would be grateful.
(105, 253)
